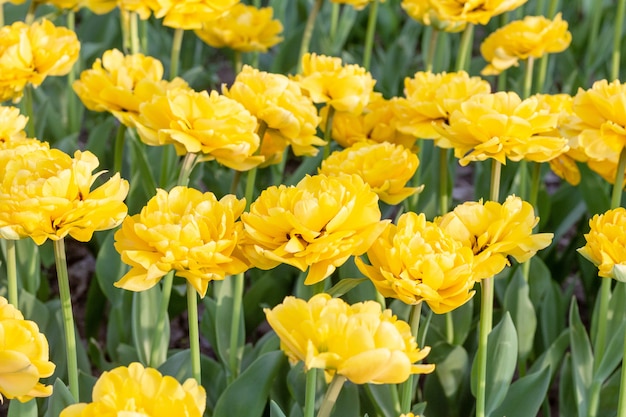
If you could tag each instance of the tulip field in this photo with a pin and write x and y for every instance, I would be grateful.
(348, 208)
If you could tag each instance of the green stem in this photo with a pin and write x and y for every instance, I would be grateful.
(143, 29)
(465, 48)
(235, 184)
(237, 62)
(309, 396)
(308, 32)
(328, 130)
(72, 103)
(119, 148)
(369, 35)
(166, 292)
(1, 14)
(432, 49)
(496, 169)
(544, 60)
(194, 336)
(28, 104)
(407, 386)
(233, 352)
(30, 13)
(594, 394)
(444, 200)
(11, 271)
(68, 317)
(177, 42)
(334, 20)
(621, 405)
(185, 170)
(331, 395)
(125, 24)
(605, 296)
(449, 328)
(134, 33)
(528, 78)
(596, 17)
(617, 39)
(552, 8)
(532, 200)
(540, 7)
(251, 179)
(486, 319)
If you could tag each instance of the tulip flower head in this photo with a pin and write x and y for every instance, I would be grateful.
(361, 342)
(532, 37)
(185, 230)
(135, 390)
(317, 224)
(606, 244)
(495, 231)
(23, 356)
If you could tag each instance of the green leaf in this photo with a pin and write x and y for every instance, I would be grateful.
(109, 269)
(28, 264)
(501, 363)
(517, 303)
(61, 397)
(612, 355)
(383, 398)
(19, 409)
(223, 318)
(348, 402)
(582, 358)
(552, 320)
(553, 355)
(525, 395)
(345, 285)
(247, 395)
(569, 401)
(275, 410)
(146, 305)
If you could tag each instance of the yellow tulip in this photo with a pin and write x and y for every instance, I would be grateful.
(606, 244)
(185, 230)
(135, 390)
(346, 88)
(30, 53)
(384, 166)
(213, 125)
(119, 83)
(12, 124)
(417, 261)
(532, 37)
(361, 342)
(495, 231)
(430, 98)
(243, 28)
(46, 194)
(23, 356)
(424, 12)
(357, 4)
(502, 126)
(473, 11)
(317, 224)
(290, 116)
(191, 14)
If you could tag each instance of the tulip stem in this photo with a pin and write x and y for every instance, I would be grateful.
(119, 148)
(334, 19)
(332, 392)
(189, 162)
(311, 389)
(72, 105)
(621, 405)
(432, 49)
(308, 32)
(11, 259)
(237, 62)
(486, 320)
(528, 78)
(617, 39)
(177, 42)
(369, 34)
(134, 33)
(407, 386)
(251, 179)
(194, 336)
(496, 169)
(328, 130)
(168, 280)
(444, 201)
(68, 317)
(28, 106)
(233, 351)
(464, 47)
